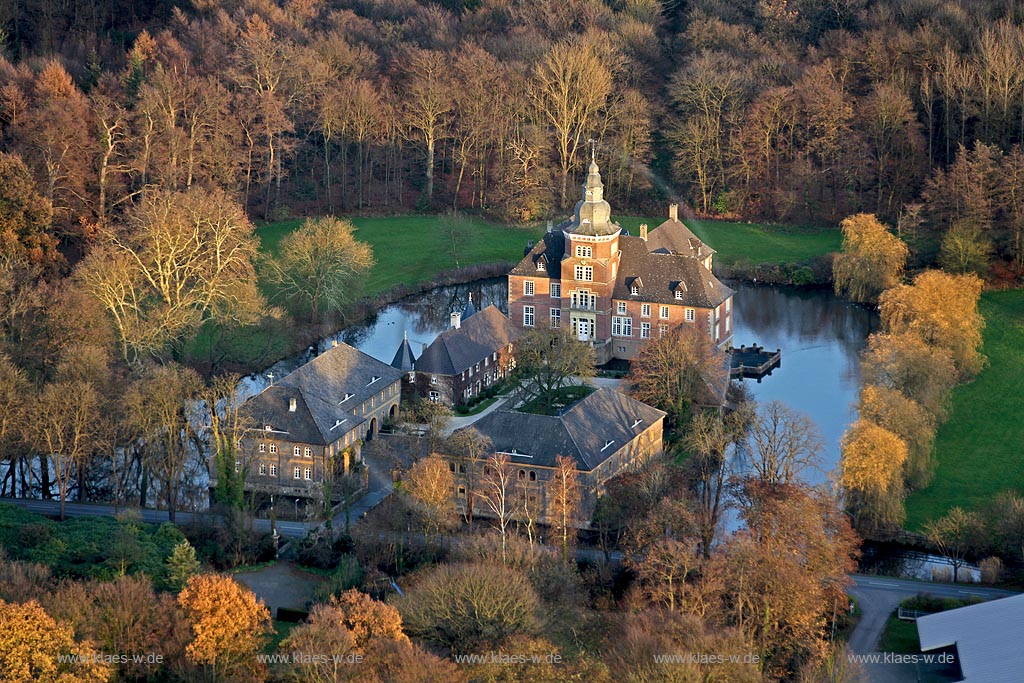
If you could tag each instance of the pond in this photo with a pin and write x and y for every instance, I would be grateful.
(821, 337)
(819, 334)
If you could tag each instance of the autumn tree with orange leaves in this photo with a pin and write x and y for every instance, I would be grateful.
(871, 261)
(872, 475)
(229, 626)
(32, 644)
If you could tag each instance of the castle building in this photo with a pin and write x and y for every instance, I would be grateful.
(309, 427)
(475, 353)
(614, 290)
(604, 434)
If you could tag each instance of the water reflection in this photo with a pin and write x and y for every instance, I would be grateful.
(821, 338)
(422, 317)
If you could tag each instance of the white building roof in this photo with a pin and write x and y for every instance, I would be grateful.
(987, 636)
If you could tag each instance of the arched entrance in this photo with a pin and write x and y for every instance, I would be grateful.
(372, 430)
(393, 411)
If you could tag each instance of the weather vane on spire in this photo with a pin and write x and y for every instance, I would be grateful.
(593, 149)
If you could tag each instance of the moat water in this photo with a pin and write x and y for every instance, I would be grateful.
(820, 337)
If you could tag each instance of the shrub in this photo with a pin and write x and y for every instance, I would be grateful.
(991, 570)
(347, 575)
(470, 605)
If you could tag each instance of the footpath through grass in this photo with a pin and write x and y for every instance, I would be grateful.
(753, 243)
(979, 449)
(412, 249)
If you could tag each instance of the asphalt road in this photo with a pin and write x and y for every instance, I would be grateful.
(51, 508)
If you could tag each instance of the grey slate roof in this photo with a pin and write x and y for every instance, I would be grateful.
(404, 358)
(987, 637)
(581, 432)
(673, 237)
(320, 388)
(661, 274)
(551, 247)
(458, 349)
(469, 310)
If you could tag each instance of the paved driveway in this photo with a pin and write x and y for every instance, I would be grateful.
(282, 584)
(878, 596)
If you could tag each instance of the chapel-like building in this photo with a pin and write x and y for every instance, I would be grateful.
(617, 290)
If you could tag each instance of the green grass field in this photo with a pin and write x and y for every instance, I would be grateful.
(753, 243)
(899, 636)
(411, 249)
(979, 449)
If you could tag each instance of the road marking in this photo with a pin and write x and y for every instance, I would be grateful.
(880, 583)
(973, 593)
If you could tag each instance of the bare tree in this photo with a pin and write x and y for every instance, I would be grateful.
(498, 491)
(564, 501)
(782, 444)
(571, 85)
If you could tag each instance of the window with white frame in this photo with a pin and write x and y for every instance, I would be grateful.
(296, 472)
(263, 448)
(308, 473)
(295, 450)
(435, 396)
(273, 448)
(620, 308)
(645, 330)
(585, 273)
(645, 310)
(556, 317)
(664, 313)
(273, 470)
(622, 327)
(728, 305)
(556, 290)
(528, 316)
(662, 330)
(583, 251)
(528, 287)
(690, 315)
(263, 469)
(433, 379)
(308, 452)
(679, 294)
(634, 291)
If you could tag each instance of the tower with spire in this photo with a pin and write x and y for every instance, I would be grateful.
(614, 290)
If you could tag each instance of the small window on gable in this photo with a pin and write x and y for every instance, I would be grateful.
(634, 291)
(679, 294)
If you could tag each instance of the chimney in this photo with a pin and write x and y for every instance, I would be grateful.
(643, 232)
(456, 320)
(673, 211)
(334, 343)
(292, 405)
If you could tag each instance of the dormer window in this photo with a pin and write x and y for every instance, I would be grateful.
(634, 291)
(347, 397)
(679, 294)
(606, 445)
(542, 263)
(636, 422)
(373, 379)
(268, 428)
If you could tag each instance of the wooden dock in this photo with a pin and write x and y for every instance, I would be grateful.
(753, 362)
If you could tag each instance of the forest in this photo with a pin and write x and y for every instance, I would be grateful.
(141, 143)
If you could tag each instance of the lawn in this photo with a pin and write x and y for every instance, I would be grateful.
(899, 636)
(563, 398)
(411, 249)
(755, 243)
(979, 448)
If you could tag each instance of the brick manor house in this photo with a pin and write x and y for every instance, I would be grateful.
(615, 290)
